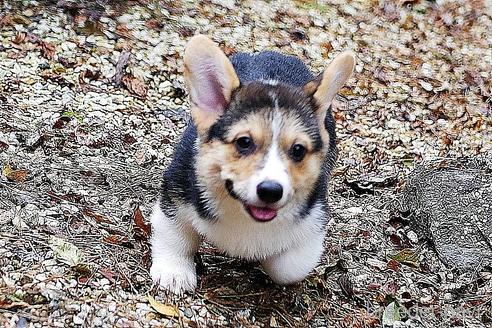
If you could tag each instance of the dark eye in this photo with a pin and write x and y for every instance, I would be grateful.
(297, 152)
(245, 145)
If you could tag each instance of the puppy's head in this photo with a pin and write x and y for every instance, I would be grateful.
(262, 145)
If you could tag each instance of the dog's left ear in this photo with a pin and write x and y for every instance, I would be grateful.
(324, 88)
(211, 79)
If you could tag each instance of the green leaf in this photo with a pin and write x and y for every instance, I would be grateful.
(407, 256)
(391, 314)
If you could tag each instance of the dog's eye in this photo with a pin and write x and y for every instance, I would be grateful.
(245, 145)
(297, 152)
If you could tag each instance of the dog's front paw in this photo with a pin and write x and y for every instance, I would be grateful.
(177, 278)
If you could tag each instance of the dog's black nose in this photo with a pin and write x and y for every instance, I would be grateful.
(269, 191)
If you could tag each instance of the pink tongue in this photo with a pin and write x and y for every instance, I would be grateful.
(262, 213)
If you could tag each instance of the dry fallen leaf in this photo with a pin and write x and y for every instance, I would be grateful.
(167, 310)
(47, 75)
(119, 240)
(391, 314)
(61, 122)
(393, 265)
(134, 85)
(89, 75)
(142, 229)
(3, 146)
(20, 37)
(99, 218)
(407, 256)
(9, 304)
(108, 274)
(14, 175)
(66, 252)
(47, 50)
(346, 285)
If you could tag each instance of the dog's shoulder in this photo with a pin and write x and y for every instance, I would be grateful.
(271, 66)
(179, 185)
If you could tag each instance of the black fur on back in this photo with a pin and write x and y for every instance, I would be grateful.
(180, 183)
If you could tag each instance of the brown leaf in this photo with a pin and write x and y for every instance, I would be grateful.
(6, 20)
(108, 274)
(373, 286)
(61, 122)
(118, 240)
(3, 146)
(9, 305)
(186, 32)
(124, 31)
(142, 229)
(47, 50)
(14, 175)
(327, 48)
(134, 85)
(89, 75)
(155, 24)
(129, 139)
(16, 54)
(393, 265)
(56, 78)
(91, 27)
(20, 37)
(82, 269)
(227, 50)
(69, 197)
(97, 217)
(346, 285)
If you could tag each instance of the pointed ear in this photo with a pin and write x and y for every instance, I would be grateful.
(324, 88)
(210, 78)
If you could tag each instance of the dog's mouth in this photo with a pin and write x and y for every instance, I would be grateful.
(261, 214)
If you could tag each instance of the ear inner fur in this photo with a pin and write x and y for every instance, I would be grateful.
(210, 78)
(326, 85)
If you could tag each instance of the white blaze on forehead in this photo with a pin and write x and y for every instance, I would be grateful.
(270, 82)
(274, 168)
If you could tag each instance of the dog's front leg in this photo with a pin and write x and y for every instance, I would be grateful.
(296, 263)
(174, 244)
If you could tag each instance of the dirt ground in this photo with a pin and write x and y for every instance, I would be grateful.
(92, 102)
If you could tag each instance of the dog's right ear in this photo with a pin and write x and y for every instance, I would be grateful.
(211, 79)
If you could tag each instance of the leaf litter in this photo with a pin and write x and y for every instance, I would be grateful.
(94, 127)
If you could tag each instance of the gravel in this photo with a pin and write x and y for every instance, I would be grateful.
(82, 155)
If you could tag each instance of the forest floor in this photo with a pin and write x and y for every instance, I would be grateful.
(92, 102)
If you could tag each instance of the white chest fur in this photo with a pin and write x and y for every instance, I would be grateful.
(237, 234)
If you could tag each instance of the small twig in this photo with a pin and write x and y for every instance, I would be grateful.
(120, 67)
(215, 303)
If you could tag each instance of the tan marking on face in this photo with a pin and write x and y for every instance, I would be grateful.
(256, 126)
(293, 133)
(218, 159)
(303, 174)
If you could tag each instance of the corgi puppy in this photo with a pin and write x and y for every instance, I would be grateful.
(250, 173)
